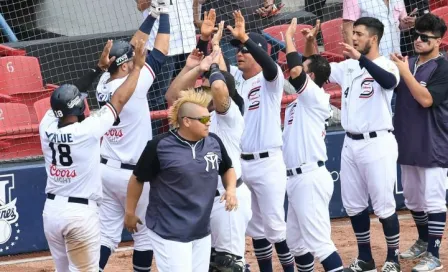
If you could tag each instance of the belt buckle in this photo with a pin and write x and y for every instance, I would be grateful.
(366, 135)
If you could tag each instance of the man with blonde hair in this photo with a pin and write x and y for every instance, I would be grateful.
(182, 167)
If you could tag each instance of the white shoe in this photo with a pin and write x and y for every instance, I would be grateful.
(417, 250)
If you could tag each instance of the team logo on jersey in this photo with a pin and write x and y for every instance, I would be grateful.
(103, 97)
(9, 227)
(114, 134)
(254, 98)
(367, 88)
(291, 114)
(212, 160)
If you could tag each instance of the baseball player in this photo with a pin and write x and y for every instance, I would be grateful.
(310, 185)
(227, 229)
(369, 153)
(125, 141)
(259, 80)
(422, 104)
(71, 149)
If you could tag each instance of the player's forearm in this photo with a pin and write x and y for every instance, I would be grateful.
(186, 79)
(270, 71)
(144, 30)
(420, 93)
(386, 79)
(202, 45)
(162, 42)
(220, 94)
(125, 91)
(347, 32)
(86, 80)
(310, 49)
(133, 194)
(229, 179)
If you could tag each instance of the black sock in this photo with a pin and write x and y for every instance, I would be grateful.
(333, 263)
(285, 257)
(421, 221)
(361, 227)
(436, 226)
(263, 252)
(305, 263)
(142, 260)
(391, 228)
(104, 256)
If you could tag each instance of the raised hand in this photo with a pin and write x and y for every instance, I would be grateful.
(239, 31)
(194, 59)
(310, 34)
(209, 60)
(350, 52)
(218, 35)
(140, 53)
(401, 62)
(291, 31)
(104, 62)
(208, 24)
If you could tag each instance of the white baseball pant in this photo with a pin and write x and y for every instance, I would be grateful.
(72, 231)
(112, 209)
(308, 228)
(172, 256)
(424, 189)
(266, 179)
(228, 229)
(369, 167)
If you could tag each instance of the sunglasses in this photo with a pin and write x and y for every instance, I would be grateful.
(204, 119)
(423, 37)
(243, 50)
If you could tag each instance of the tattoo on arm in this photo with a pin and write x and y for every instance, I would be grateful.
(224, 105)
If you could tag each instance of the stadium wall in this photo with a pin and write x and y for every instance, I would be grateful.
(22, 193)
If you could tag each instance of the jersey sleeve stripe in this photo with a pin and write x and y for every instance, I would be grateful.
(113, 110)
(150, 70)
(304, 86)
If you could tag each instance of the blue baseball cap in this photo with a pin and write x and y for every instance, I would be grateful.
(257, 38)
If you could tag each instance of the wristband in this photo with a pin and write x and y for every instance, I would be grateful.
(216, 74)
(293, 59)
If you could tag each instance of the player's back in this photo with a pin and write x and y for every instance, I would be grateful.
(70, 161)
(304, 126)
(126, 140)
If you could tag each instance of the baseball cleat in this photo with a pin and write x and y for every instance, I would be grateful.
(361, 266)
(417, 250)
(429, 263)
(391, 267)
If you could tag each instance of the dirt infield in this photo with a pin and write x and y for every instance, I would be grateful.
(342, 235)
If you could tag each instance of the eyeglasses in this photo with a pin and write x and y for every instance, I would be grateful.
(243, 50)
(423, 37)
(204, 119)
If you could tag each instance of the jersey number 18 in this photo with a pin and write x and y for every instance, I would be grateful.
(64, 154)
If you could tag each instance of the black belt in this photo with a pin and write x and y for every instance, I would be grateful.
(299, 171)
(238, 184)
(372, 134)
(123, 165)
(71, 199)
(248, 157)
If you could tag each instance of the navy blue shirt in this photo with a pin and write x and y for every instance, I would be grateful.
(184, 178)
(422, 133)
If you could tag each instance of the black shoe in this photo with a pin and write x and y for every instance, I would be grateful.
(361, 266)
(391, 267)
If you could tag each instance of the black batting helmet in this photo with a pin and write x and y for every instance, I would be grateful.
(123, 52)
(67, 100)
